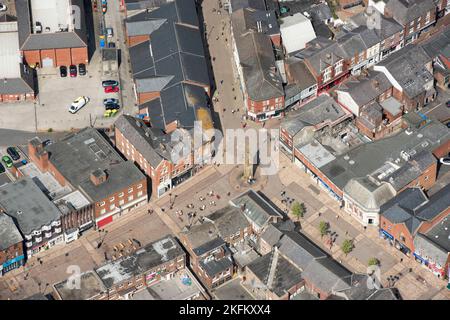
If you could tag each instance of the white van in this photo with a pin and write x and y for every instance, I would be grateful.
(109, 32)
(79, 103)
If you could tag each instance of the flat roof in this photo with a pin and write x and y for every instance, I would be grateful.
(25, 202)
(78, 155)
(9, 51)
(90, 286)
(144, 259)
(52, 14)
(317, 154)
(181, 287)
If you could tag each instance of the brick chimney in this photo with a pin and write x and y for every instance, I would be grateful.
(98, 177)
(38, 154)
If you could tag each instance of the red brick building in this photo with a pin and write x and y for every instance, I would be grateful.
(254, 57)
(11, 245)
(87, 162)
(53, 35)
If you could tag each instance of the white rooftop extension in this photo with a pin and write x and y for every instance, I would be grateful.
(10, 58)
(296, 31)
(52, 15)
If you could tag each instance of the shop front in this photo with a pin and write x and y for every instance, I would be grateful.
(387, 236)
(12, 264)
(402, 248)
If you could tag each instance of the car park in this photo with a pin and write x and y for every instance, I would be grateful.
(63, 71)
(111, 89)
(7, 161)
(79, 103)
(13, 153)
(73, 71)
(110, 83)
(82, 69)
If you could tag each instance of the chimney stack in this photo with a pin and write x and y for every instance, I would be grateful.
(98, 177)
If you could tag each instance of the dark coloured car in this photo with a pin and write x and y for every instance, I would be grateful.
(47, 142)
(112, 106)
(2, 168)
(82, 69)
(111, 45)
(109, 83)
(63, 71)
(448, 104)
(13, 153)
(110, 100)
(73, 70)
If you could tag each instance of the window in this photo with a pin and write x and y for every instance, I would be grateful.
(121, 202)
(121, 195)
(130, 190)
(139, 186)
(111, 207)
(111, 199)
(102, 211)
(139, 193)
(101, 204)
(130, 198)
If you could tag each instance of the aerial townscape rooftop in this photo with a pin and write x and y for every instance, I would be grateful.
(226, 150)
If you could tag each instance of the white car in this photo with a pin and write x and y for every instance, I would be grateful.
(3, 7)
(445, 161)
(79, 103)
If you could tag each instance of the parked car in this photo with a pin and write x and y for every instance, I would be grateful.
(7, 161)
(448, 124)
(47, 142)
(73, 70)
(445, 161)
(2, 168)
(448, 104)
(112, 106)
(111, 89)
(79, 103)
(82, 69)
(111, 45)
(13, 153)
(110, 100)
(63, 71)
(109, 32)
(109, 83)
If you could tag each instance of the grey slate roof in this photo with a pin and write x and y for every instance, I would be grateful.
(298, 76)
(327, 275)
(285, 276)
(388, 26)
(364, 89)
(27, 205)
(228, 221)
(407, 67)
(23, 85)
(9, 234)
(213, 267)
(172, 57)
(153, 144)
(405, 11)
(324, 109)
(255, 208)
(412, 207)
(77, 155)
(29, 41)
(256, 56)
(360, 290)
(143, 260)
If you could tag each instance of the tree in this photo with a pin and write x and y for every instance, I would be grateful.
(347, 246)
(298, 209)
(373, 262)
(323, 228)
